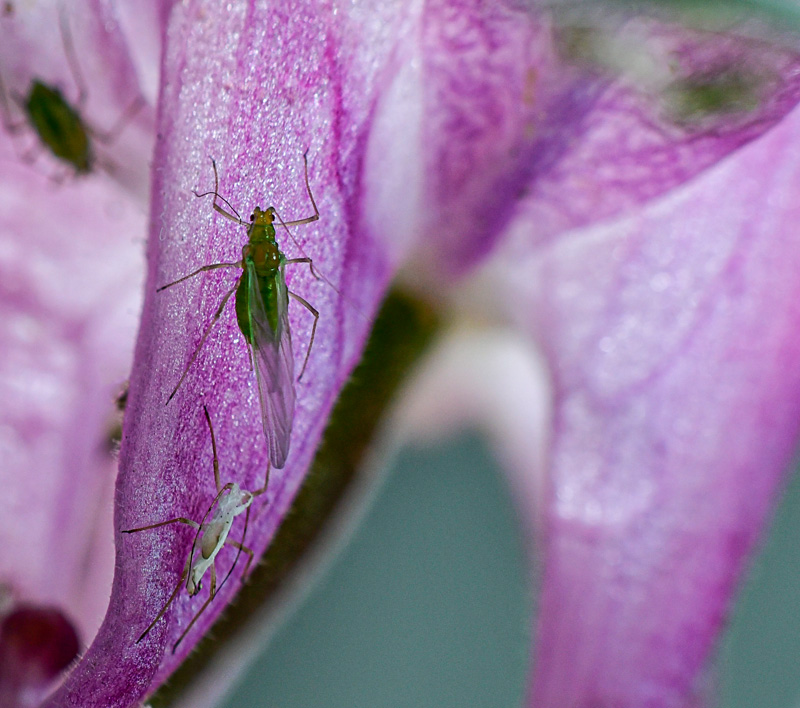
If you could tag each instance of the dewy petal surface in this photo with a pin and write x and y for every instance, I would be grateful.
(673, 338)
(252, 85)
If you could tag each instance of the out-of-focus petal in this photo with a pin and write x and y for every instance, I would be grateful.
(68, 320)
(71, 267)
(36, 644)
(584, 117)
(80, 49)
(673, 338)
(488, 378)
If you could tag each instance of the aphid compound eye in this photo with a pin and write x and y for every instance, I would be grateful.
(252, 217)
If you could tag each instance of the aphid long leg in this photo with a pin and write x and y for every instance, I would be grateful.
(286, 224)
(202, 341)
(111, 134)
(170, 600)
(104, 136)
(5, 106)
(299, 222)
(178, 520)
(246, 550)
(212, 593)
(210, 536)
(213, 449)
(213, 266)
(72, 58)
(315, 313)
(306, 259)
(308, 219)
(307, 305)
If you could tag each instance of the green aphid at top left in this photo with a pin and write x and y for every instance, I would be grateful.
(58, 123)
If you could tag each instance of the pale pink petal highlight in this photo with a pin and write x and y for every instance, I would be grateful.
(673, 338)
(71, 282)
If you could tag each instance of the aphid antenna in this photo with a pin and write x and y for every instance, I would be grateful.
(217, 195)
(315, 271)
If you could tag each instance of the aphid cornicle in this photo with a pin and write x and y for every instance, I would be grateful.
(262, 314)
(58, 123)
(211, 535)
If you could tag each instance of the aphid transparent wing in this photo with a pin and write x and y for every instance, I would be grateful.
(274, 363)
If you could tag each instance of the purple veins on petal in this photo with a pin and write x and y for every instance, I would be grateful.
(581, 118)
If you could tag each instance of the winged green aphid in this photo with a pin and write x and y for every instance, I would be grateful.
(262, 314)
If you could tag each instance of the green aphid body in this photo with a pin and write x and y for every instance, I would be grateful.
(262, 259)
(702, 98)
(59, 126)
(262, 315)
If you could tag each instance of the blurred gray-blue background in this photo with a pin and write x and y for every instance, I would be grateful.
(430, 604)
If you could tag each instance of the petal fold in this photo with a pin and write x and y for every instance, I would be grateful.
(672, 338)
(253, 87)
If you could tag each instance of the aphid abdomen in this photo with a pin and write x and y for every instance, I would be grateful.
(242, 299)
(270, 289)
(59, 126)
(213, 537)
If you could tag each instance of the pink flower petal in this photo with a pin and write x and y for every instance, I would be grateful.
(71, 262)
(672, 337)
(67, 331)
(521, 103)
(253, 90)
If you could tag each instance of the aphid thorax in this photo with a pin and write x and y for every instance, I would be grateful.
(261, 247)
